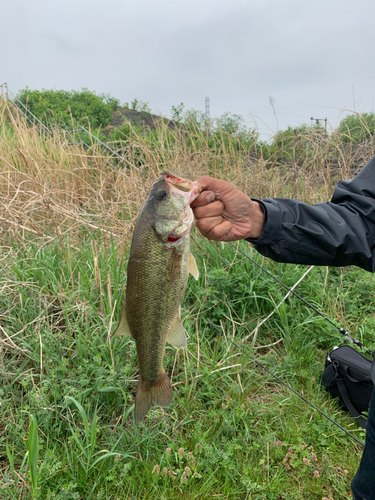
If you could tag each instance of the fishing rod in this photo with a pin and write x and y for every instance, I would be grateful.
(289, 387)
(344, 332)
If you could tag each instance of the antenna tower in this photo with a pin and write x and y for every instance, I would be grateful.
(207, 106)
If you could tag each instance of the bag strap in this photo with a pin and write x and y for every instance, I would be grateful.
(346, 398)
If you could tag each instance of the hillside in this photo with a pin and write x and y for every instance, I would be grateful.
(140, 119)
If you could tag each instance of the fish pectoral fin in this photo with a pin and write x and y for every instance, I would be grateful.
(123, 327)
(193, 268)
(175, 267)
(159, 393)
(177, 336)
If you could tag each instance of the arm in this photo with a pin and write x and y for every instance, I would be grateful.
(336, 233)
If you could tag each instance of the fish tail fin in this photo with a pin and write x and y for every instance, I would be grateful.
(159, 393)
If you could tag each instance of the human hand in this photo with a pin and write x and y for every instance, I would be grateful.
(224, 213)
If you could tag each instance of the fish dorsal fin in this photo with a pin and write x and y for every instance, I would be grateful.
(123, 327)
(177, 335)
(193, 268)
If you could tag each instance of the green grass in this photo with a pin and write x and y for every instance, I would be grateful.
(67, 388)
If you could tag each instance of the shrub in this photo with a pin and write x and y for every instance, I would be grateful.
(64, 107)
(357, 127)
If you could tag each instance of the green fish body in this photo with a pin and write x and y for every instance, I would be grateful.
(157, 276)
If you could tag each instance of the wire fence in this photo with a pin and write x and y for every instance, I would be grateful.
(81, 135)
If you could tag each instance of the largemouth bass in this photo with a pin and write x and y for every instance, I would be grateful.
(157, 275)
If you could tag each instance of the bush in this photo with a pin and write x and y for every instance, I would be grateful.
(295, 143)
(63, 107)
(357, 127)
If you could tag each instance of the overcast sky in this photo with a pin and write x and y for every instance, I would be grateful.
(312, 58)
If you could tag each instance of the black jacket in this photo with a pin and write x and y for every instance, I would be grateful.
(336, 233)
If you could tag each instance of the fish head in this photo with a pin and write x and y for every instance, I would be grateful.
(169, 201)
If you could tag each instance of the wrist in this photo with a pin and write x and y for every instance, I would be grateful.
(257, 220)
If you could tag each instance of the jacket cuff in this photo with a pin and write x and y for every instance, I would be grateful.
(272, 225)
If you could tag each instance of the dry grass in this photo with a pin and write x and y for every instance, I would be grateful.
(50, 188)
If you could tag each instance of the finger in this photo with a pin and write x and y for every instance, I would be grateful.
(213, 228)
(219, 232)
(213, 209)
(206, 224)
(204, 182)
(203, 199)
(207, 183)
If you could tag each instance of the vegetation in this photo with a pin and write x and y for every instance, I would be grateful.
(67, 388)
(297, 146)
(192, 136)
(357, 127)
(69, 108)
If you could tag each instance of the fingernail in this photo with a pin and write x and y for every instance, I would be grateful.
(210, 197)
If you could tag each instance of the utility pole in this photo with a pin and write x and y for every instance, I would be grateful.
(318, 120)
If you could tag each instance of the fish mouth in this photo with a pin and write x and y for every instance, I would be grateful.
(184, 185)
(172, 239)
(181, 184)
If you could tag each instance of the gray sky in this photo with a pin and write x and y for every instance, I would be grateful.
(314, 58)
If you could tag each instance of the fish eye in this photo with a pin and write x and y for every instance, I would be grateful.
(161, 194)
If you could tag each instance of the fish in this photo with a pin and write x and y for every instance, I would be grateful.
(157, 275)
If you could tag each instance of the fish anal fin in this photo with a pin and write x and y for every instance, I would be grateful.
(123, 327)
(177, 336)
(158, 393)
(193, 268)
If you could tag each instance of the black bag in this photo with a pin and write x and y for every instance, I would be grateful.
(347, 375)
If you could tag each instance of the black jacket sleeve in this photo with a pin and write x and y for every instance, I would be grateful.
(336, 233)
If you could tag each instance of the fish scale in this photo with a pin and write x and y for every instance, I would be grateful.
(157, 275)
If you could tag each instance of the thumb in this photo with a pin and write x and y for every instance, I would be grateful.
(217, 186)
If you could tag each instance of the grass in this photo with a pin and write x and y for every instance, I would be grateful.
(67, 387)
